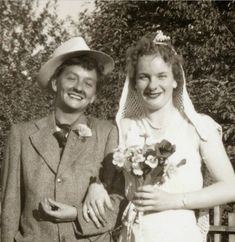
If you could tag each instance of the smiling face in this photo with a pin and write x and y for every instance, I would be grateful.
(155, 82)
(75, 88)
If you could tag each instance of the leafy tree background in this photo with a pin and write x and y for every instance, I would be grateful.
(202, 31)
(26, 42)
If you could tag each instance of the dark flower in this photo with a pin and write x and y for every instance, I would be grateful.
(164, 149)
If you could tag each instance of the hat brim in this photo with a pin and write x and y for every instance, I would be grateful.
(47, 70)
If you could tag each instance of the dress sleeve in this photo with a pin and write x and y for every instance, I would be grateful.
(10, 181)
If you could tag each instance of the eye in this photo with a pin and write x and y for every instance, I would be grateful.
(162, 76)
(89, 83)
(71, 77)
(142, 77)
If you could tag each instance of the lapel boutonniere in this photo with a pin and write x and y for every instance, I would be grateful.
(83, 131)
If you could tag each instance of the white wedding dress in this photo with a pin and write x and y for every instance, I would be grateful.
(171, 225)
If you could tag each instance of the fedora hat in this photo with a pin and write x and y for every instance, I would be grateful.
(73, 47)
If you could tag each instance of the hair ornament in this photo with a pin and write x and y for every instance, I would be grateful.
(160, 38)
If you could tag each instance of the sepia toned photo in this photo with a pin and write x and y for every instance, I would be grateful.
(117, 121)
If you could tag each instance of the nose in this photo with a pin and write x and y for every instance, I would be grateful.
(153, 83)
(78, 85)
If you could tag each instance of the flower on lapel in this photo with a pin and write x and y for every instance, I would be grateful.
(84, 130)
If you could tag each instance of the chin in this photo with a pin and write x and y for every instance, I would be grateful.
(68, 107)
(154, 106)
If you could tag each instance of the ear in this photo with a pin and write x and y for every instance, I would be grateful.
(175, 84)
(54, 85)
(93, 99)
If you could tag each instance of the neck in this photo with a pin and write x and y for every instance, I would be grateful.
(66, 117)
(162, 117)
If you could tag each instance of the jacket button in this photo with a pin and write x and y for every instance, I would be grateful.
(59, 180)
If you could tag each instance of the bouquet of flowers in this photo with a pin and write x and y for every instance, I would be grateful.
(144, 165)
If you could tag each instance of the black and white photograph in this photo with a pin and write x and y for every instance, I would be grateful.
(117, 121)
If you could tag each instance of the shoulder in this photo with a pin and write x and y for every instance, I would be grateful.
(104, 126)
(212, 128)
(213, 136)
(127, 123)
(27, 127)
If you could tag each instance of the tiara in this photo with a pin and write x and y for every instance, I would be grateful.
(160, 38)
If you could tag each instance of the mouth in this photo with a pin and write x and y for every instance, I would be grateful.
(153, 94)
(76, 96)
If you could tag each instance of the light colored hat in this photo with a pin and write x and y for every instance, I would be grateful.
(72, 48)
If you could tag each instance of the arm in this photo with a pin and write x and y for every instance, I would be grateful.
(219, 166)
(11, 197)
(97, 198)
(114, 184)
(222, 191)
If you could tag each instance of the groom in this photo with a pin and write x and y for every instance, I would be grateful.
(53, 160)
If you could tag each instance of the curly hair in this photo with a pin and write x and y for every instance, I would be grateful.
(84, 61)
(146, 46)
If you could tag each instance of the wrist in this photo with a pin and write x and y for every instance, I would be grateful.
(181, 201)
(74, 214)
(184, 201)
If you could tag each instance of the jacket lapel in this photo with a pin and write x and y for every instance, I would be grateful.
(45, 143)
(77, 147)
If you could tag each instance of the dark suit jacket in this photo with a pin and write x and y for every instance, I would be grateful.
(33, 170)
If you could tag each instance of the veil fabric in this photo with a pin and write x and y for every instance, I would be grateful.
(130, 106)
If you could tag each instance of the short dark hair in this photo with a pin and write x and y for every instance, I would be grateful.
(146, 46)
(84, 61)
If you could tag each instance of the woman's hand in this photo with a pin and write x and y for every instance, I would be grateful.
(150, 198)
(97, 199)
(59, 212)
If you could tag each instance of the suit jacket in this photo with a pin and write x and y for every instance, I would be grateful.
(33, 170)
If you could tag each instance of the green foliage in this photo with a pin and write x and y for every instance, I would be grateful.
(27, 41)
(202, 31)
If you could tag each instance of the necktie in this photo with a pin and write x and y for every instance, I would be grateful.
(62, 135)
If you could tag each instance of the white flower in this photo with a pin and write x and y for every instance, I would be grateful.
(160, 37)
(119, 157)
(136, 169)
(138, 172)
(118, 162)
(138, 158)
(151, 161)
(84, 130)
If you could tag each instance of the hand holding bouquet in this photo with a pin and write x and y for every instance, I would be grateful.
(143, 165)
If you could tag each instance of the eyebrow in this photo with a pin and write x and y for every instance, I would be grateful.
(74, 73)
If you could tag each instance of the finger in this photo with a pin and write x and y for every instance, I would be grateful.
(100, 207)
(47, 209)
(143, 195)
(108, 203)
(147, 188)
(54, 203)
(85, 213)
(45, 206)
(55, 214)
(94, 218)
(145, 209)
(142, 203)
(97, 213)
